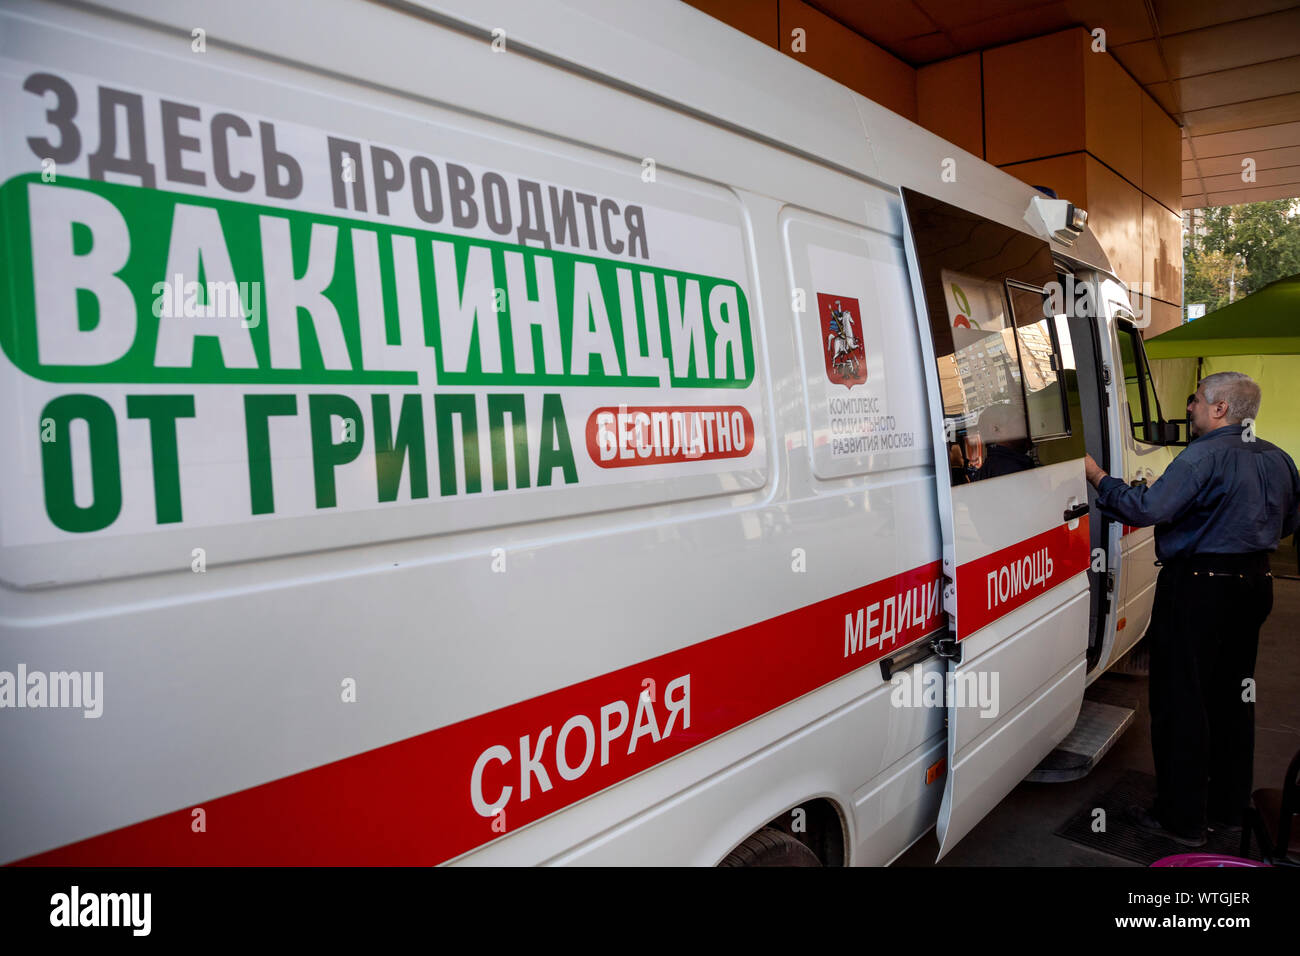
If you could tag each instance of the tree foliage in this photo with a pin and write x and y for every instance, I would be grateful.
(1209, 277)
(1261, 238)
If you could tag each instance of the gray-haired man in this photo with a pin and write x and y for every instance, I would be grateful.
(1219, 509)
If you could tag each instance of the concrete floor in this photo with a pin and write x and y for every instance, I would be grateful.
(1020, 831)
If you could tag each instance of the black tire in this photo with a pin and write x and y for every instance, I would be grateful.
(771, 847)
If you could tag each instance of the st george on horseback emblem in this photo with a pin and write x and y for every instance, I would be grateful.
(846, 356)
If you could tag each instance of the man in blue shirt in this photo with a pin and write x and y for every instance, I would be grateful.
(1219, 509)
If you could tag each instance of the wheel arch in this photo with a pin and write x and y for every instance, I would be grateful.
(819, 823)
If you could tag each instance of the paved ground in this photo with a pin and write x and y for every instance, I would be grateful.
(1021, 830)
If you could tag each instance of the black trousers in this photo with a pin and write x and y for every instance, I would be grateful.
(1203, 639)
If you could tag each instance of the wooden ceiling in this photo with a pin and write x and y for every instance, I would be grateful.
(1227, 71)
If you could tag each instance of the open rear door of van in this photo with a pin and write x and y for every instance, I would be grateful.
(1013, 502)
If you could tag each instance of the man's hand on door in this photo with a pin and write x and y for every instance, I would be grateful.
(1092, 471)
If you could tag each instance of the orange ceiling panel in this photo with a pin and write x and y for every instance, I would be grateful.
(1226, 71)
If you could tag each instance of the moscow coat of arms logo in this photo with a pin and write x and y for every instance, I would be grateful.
(841, 339)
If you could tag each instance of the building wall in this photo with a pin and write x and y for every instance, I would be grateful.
(1051, 111)
(824, 45)
(950, 101)
(1061, 115)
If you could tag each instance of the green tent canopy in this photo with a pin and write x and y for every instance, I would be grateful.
(1258, 335)
(1264, 323)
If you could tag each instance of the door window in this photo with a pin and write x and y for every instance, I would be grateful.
(1050, 377)
(999, 371)
(980, 377)
(1009, 381)
(1143, 404)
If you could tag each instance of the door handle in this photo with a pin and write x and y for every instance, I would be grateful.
(1078, 511)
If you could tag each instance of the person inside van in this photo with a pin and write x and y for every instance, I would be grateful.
(958, 472)
(1006, 442)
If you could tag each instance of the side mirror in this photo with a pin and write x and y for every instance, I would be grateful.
(1167, 433)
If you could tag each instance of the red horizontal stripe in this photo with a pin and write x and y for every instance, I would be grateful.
(977, 607)
(409, 802)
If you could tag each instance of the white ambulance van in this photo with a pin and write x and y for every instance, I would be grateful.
(519, 432)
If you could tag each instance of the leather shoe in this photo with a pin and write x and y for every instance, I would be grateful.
(1141, 817)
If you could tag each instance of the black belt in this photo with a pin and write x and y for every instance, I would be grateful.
(1254, 564)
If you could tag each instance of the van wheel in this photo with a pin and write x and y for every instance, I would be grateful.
(771, 847)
